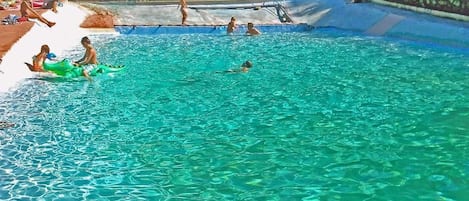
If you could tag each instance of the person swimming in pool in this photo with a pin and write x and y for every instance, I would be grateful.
(231, 26)
(252, 31)
(245, 67)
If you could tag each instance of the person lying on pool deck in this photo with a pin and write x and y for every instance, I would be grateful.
(27, 10)
(89, 61)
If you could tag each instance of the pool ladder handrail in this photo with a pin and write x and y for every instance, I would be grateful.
(281, 11)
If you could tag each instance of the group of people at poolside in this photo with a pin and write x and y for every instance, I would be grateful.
(232, 26)
(88, 62)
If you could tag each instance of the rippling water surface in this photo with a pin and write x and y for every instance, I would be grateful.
(321, 116)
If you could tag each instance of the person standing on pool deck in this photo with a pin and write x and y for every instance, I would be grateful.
(27, 10)
(89, 61)
(231, 26)
(183, 9)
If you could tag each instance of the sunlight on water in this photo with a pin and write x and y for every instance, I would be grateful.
(320, 116)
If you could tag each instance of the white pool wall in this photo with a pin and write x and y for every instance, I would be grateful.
(364, 17)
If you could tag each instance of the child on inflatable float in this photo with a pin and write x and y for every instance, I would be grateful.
(45, 61)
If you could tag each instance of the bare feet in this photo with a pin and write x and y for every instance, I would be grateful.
(51, 24)
(31, 68)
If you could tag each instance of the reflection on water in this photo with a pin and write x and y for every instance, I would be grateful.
(320, 116)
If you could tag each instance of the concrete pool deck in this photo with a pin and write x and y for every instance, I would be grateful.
(198, 14)
(366, 18)
(380, 20)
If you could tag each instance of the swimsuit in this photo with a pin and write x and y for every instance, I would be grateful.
(89, 67)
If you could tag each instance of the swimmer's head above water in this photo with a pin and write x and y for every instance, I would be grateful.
(247, 64)
(244, 68)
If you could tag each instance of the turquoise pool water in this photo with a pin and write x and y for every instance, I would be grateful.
(320, 116)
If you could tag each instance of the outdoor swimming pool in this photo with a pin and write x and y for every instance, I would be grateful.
(321, 116)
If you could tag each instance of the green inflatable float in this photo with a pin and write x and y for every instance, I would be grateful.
(66, 69)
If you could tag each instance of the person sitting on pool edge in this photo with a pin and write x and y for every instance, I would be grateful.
(252, 31)
(39, 59)
(244, 68)
(89, 61)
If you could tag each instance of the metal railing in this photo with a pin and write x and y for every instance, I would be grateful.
(451, 6)
(281, 10)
